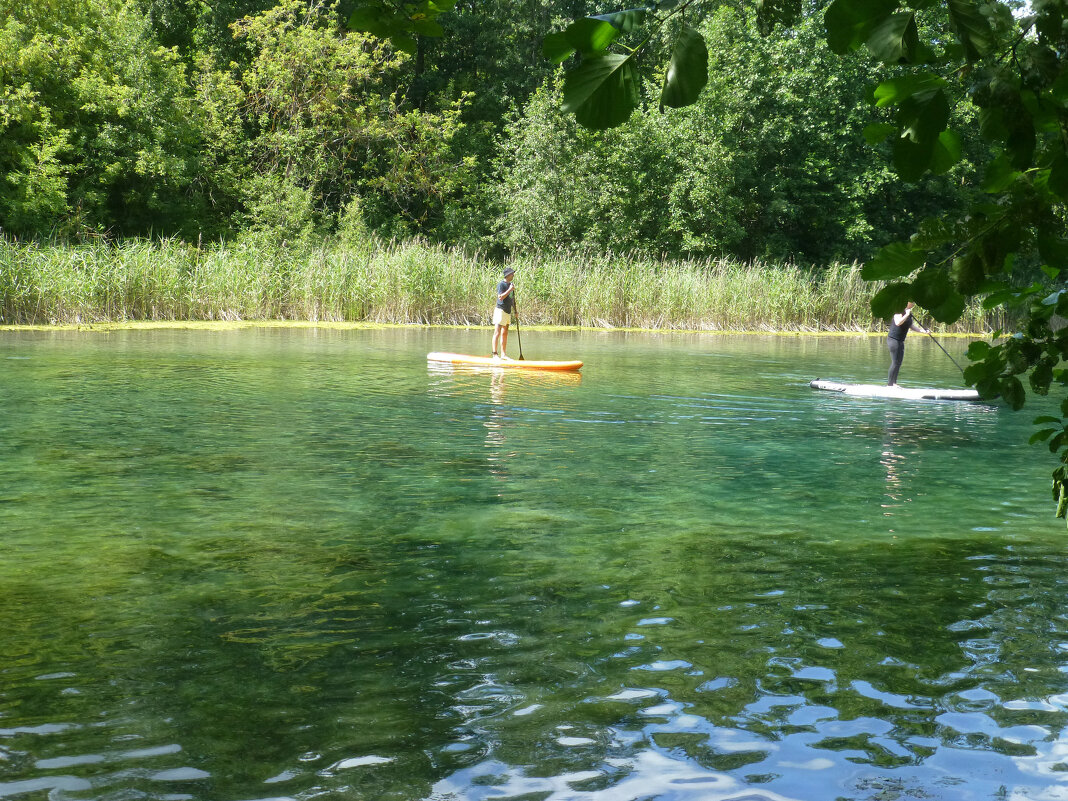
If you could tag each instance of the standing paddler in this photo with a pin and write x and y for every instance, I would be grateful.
(900, 326)
(502, 314)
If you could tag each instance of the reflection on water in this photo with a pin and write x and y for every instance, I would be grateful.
(900, 442)
(277, 564)
(908, 433)
(487, 391)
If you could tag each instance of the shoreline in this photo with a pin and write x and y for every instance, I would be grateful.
(234, 325)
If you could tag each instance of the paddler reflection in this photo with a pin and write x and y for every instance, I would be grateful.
(524, 400)
(893, 458)
(498, 418)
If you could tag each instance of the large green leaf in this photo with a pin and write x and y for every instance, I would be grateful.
(1053, 249)
(992, 123)
(626, 21)
(947, 152)
(973, 29)
(931, 288)
(404, 42)
(923, 117)
(985, 369)
(896, 260)
(428, 27)
(1013, 392)
(687, 73)
(898, 90)
(1020, 144)
(890, 300)
(372, 20)
(1043, 435)
(934, 291)
(1059, 89)
(1041, 377)
(932, 233)
(850, 22)
(589, 36)
(877, 132)
(951, 309)
(912, 159)
(968, 272)
(400, 21)
(895, 40)
(602, 91)
(557, 47)
(999, 175)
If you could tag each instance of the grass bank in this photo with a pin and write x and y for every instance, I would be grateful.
(413, 282)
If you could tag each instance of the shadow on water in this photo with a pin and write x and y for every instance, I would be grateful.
(284, 566)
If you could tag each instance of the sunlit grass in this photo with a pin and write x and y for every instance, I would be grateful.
(415, 282)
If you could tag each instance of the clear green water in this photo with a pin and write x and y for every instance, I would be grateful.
(300, 564)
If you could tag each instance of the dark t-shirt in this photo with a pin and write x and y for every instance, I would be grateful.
(506, 304)
(899, 332)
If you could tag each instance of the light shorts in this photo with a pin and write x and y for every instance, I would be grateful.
(500, 316)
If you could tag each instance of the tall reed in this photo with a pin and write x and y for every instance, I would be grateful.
(416, 282)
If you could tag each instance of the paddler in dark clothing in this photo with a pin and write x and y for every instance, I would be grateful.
(502, 314)
(895, 340)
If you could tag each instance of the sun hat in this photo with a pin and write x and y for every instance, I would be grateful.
(508, 271)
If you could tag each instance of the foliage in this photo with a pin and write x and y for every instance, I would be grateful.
(96, 128)
(489, 60)
(565, 188)
(399, 21)
(322, 120)
(194, 28)
(1010, 69)
(103, 130)
(766, 164)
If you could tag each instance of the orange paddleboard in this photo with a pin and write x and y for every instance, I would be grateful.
(506, 364)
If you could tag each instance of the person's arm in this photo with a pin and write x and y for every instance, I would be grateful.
(506, 292)
(917, 327)
(899, 319)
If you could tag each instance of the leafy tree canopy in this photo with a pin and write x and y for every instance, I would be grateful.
(399, 21)
(766, 165)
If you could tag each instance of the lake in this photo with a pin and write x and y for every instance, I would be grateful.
(298, 563)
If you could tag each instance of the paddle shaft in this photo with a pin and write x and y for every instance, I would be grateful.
(945, 351)
(515, 313)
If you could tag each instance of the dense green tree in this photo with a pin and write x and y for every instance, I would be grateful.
(489, 56)
(97, 127)
(767, 163)
(102, 128)
(322, 118)
(563, 187)
(790, 113)
(192, 26)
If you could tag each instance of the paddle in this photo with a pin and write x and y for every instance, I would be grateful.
(515, 313)
(944, 350)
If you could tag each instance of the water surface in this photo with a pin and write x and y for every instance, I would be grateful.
(299, 563)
